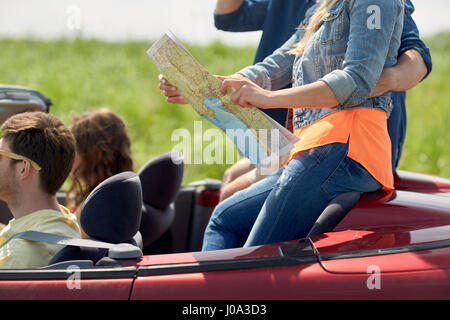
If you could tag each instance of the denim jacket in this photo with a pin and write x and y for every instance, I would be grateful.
(358, 38)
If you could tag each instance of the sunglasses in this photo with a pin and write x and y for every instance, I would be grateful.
(16, 156)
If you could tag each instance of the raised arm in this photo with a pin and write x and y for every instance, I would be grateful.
(227, 6)
(240, 15)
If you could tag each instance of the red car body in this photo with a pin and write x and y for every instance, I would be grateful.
(389, 246)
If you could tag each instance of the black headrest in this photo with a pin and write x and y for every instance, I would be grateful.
(161, 178)
(112, 212)
(155, 223)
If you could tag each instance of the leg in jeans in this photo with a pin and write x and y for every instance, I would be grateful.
(306, 187)
(285, 205)
(232, 219)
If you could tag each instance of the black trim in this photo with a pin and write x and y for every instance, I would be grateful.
(223, 265)
(302, 248)
(385, 251)
(61, 274)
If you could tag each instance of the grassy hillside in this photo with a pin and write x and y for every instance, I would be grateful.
(83, 75)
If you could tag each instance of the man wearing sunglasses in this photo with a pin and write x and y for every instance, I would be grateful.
(36, 155)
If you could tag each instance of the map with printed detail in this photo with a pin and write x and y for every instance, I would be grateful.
(263, 139)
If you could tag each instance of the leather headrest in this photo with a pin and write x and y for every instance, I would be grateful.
(161, 179)
(112, 212)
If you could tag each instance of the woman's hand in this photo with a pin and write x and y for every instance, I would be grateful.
(171, 92)
(246, 93)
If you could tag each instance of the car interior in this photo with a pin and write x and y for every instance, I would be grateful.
(152, 211)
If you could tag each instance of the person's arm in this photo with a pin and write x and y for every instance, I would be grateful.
(171, 92)
(414, 62)
(275, 71)
(349, 86)
(240, 15)
(253, 83)
(239, 168)
(248, 94)
(411, 39)
(410, 69)
(227, 6)
(238, 184)
(405, 75)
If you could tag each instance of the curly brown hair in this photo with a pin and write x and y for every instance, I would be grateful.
(103, 148)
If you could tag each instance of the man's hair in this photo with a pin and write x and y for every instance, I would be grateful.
(44, 139)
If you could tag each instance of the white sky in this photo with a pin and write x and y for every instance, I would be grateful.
(119, 20)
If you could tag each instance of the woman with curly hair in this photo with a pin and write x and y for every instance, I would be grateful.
(103, 149)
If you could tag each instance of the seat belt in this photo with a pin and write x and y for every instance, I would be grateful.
(115, 251)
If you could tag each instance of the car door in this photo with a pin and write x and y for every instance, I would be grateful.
(70, 282)
(265, 272)
(407, 262)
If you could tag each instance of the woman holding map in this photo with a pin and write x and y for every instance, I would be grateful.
(334, 63)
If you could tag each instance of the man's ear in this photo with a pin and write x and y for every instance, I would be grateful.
(23, 169)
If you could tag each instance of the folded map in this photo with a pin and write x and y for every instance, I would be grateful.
(257, 136)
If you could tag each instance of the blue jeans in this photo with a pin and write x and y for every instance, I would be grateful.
(285, 205)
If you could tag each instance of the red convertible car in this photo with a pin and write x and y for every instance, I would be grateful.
(381, 246)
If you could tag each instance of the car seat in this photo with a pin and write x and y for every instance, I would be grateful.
(161, 179)
(111, 213)
(17, 99)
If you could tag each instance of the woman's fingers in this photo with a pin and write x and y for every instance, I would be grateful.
(241, 86)
(233, 83)
(242, 90)
(241, 96)
(165, 85)
(170, 91)
(221, 78)
(176, 100)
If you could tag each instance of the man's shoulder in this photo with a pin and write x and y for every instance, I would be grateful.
(19, 253)
(62, 222)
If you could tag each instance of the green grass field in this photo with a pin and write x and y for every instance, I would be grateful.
(427, 145)
(82, 75)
